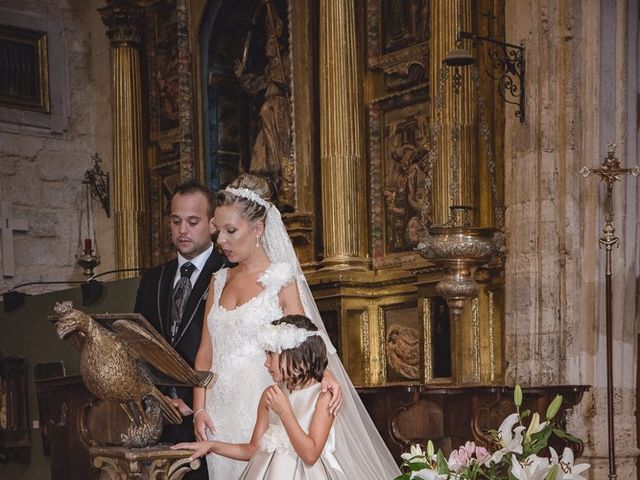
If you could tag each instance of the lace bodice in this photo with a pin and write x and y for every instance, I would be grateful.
(238, 360)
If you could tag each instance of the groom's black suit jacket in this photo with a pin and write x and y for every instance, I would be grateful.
(153, 300)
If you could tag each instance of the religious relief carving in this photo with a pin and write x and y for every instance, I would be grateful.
(400, 175)
(271, 155)
(402, 343)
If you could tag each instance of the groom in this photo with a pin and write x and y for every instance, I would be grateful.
(172, 296)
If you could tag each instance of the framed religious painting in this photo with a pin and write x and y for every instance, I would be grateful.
(163, 84)
(398, 177)
(397, 32)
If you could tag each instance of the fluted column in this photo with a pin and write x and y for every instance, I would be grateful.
(340, 138)
(124, 28)
(455, 172)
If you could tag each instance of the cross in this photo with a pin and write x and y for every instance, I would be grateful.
(8, 225)
(609, 173)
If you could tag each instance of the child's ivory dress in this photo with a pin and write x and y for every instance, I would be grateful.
(277, 460)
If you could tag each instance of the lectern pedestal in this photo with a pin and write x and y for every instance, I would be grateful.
(152, 463)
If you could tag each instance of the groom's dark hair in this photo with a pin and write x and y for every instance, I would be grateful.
(308, 360)
(191, 187)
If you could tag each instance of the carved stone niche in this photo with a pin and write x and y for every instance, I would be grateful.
(15, 442)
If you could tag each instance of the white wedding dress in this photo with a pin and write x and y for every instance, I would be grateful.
(238, 361)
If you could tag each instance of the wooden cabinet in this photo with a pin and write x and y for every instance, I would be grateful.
(449, 416)
(61, 401)
(15, 443)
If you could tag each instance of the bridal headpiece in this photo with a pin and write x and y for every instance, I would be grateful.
(284, 336)
(249, 195)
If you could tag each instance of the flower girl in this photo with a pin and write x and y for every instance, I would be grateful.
(293, 436)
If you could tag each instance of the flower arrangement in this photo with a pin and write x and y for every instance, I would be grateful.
(516, 457)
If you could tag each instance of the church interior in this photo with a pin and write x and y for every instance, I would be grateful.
(458, 179)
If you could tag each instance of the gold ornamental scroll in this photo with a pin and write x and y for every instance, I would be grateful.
(124, 28)
(341, 147)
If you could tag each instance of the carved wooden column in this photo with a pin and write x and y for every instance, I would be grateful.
(124, 28)
(341, 146)
(455, 172)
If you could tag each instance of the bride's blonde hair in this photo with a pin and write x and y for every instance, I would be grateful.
(250, 210)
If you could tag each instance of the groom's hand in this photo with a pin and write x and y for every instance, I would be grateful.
(182, 407)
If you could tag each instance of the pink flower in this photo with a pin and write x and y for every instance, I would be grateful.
(463, 457)
(482, 455)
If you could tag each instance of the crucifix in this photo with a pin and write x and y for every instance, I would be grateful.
(8, 225)
(609, 172)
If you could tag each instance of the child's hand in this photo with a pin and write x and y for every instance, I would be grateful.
(276, 400)
(200, 449)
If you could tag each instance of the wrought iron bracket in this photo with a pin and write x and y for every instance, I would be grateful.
(507, 67)
(98, 182)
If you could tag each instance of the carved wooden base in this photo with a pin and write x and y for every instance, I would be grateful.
(153, 463)
(449, 416)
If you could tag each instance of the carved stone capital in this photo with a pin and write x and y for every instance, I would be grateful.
(124, 23)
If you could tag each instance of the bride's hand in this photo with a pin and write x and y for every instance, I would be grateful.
(329, 383)
(201, 423)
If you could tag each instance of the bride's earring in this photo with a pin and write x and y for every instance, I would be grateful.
(257, 242)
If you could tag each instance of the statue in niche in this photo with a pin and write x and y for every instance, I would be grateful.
(404, 190)
(271, 155)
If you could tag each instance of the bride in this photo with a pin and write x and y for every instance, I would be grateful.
(267, 284)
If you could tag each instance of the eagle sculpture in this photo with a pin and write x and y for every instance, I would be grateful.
(122, 358)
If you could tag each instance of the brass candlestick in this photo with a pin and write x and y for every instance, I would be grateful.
(609, 173)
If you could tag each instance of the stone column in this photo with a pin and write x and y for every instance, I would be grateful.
(131, 215)
(341, 145)
(455, 171)
(583, 95)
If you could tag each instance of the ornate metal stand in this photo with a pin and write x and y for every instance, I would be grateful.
(460, 248)
(609, 172)
(118, 463)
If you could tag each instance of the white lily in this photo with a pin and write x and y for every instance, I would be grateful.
(535, 426)
(533, 468)
(414, 455)
(427, 474)
(567, 468)
(510, 439)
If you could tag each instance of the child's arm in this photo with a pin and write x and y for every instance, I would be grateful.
(308, 446)
(236, 451)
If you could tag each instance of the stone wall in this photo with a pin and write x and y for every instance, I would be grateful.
(43, 157)
(581, 93)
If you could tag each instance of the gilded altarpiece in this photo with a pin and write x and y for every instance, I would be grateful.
(403, 97)
(162, 54)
